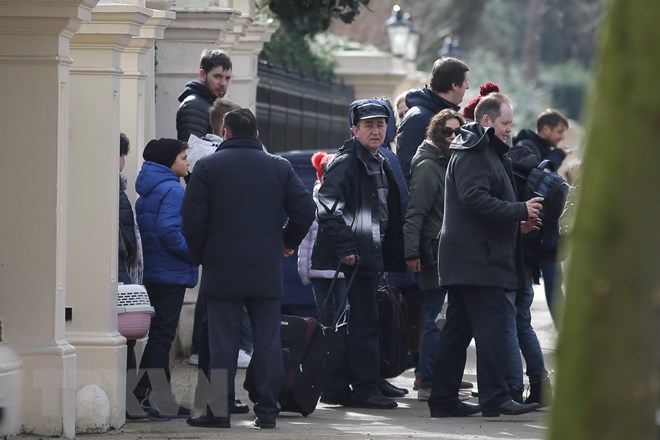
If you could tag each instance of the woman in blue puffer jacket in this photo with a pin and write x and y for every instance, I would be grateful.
(168, 266)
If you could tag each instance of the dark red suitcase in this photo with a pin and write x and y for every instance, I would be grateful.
(310, 352)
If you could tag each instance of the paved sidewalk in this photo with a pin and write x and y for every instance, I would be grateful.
(410, 420)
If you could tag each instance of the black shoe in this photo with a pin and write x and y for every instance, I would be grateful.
(165, 410)
(390, 390)
(516, 394)
(540, 392)
(209, 422)
(137, 417)
(263, 424)
(237, 407)
(374, 401)
(156, 416)
(336, 399)
(462, 409)
(509, 408)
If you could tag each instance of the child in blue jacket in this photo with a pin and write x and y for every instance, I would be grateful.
(168, 268)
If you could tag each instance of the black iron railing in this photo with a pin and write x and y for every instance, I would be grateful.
(296, 112)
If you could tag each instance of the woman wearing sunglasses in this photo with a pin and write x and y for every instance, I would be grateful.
(422, 229)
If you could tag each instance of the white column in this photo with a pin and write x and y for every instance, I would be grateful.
(199, 24)
(93, 201)
(35, 60)
(375, 73)
(245, 59)
(137, 91)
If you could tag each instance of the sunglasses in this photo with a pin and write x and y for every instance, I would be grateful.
(448, 131)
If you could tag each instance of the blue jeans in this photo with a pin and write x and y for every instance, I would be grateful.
(321, 287)
(553, 278)
(431, 335)
(527, 339)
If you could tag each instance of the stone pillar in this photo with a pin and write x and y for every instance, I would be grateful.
(93, 190)
(35, 60)
(137, 91)
(245, 59)
(241, 22)
(375, 73)
(199, 24)
(10, 390)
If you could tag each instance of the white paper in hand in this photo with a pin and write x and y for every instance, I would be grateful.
(198, 148)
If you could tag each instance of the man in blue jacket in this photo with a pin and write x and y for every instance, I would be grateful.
(448, 83)
(232, 219)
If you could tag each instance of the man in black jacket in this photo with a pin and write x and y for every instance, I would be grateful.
(232, 220)
(360, 218)
(480, 264)
(529, 149)
(448, 83)
(215, 70)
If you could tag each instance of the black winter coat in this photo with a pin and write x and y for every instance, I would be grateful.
(348, 215)
(529, 149)
(233, 212)
(480, 242)
(127, 239)
(423, 104)
(193, 114)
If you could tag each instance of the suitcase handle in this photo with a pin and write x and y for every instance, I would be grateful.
(340, 310)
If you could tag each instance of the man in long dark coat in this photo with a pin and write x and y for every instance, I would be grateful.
(480, 264)
(232, 214)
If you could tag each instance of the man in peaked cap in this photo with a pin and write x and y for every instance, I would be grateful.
(361, 226)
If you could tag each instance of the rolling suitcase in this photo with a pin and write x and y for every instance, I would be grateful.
(309, 352)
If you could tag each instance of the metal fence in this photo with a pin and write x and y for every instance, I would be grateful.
(296, 112)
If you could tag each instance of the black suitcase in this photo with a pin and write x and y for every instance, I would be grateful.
(310, 352)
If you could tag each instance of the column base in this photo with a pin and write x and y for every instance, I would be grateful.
(49, 389)
(10, 391)
(101, 363)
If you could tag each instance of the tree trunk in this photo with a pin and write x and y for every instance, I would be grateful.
(531, 50)
(608, 350)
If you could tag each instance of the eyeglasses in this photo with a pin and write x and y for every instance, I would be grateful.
(448, 131)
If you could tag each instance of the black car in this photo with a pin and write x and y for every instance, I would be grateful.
(298, 299)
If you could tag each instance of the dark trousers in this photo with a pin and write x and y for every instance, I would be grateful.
(200, 339)
(200, 314)
(361, 366)
(224, 319)
(204, 356)
(488, 314)
(166, 301)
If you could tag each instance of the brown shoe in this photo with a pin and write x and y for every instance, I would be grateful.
(418, 383)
